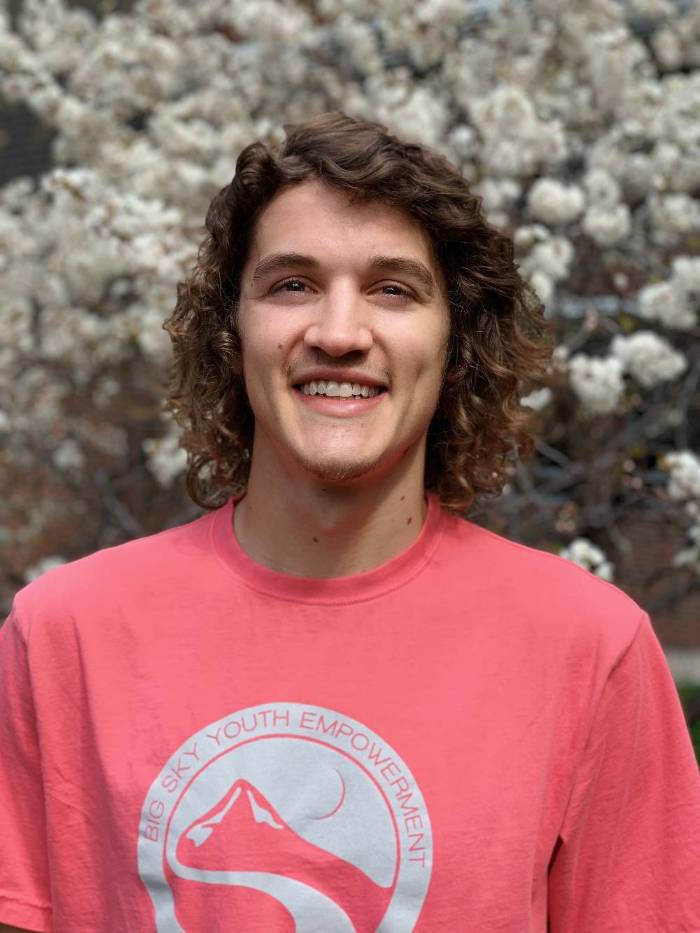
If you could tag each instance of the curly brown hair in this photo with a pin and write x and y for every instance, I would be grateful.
(499, 339)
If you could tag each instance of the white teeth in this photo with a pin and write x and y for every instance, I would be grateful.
(339, 389)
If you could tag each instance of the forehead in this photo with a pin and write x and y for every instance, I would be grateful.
(318, 219)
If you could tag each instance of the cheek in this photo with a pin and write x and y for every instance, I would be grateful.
(269, 337)
(424, 357)
(261, 348)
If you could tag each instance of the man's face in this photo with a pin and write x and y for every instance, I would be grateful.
(355, 309)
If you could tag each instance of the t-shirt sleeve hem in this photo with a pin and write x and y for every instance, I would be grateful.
(28, 916)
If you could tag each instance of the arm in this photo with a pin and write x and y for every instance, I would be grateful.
(629, 857)
(25, 897)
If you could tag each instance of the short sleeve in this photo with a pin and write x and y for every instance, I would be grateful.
(24, 876)
(629, 849)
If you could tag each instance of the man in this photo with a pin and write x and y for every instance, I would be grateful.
(331, 704)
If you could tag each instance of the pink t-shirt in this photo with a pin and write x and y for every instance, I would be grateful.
(475, 736)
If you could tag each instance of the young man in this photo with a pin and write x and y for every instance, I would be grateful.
(331, 704)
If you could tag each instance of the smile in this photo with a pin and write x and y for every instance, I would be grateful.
(342, 401)
(339, 389)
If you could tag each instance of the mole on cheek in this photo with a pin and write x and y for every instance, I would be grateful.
(315, 540)
(279, 346)
(409, 521)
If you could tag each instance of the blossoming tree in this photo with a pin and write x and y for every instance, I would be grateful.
(579, 126)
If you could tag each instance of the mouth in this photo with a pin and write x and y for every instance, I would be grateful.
(339, 390)
(338, 399)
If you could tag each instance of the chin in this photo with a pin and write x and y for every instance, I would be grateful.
(339, 469)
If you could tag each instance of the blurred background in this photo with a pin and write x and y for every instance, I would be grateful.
(578, 123)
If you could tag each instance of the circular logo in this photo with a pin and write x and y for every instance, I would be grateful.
(285, 817)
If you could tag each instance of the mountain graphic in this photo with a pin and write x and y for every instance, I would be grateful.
(243, 832)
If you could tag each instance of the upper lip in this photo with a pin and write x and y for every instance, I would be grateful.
(328, 374)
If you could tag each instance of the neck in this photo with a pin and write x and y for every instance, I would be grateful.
(302, 526)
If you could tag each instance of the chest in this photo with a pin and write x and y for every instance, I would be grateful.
(318, 769)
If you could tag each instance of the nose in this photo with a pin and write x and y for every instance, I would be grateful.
(340, 325)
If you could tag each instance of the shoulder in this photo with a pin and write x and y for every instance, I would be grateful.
(112, 575)
(547, 594)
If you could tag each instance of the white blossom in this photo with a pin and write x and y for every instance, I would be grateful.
(525, 236)
(551, 257)
(684, 469)
(648, 357)
(362, 43)
(544, 287)
(690, 556)
(613, 59)
(560, 358)
(68, 456)
(42, 566)
(498, 194)
(515, 140)
(584, 553)
(674, 302)
(597, 382)
(607, 225)
(537, 399)
(552, 202)
(668, 48)
(421, 116)
(673, 215)
(462, 139)
(166, 459)
(686, 273)
(602, 188)
(667, 303)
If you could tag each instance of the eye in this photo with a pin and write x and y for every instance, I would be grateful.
(296, 286)
(400, 292)
(284, 286)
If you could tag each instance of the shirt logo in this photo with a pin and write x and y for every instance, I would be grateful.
(285, 817)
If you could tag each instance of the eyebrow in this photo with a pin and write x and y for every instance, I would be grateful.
(397, 264)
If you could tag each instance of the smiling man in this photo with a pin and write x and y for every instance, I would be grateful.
(344, 324)
(333, 702)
